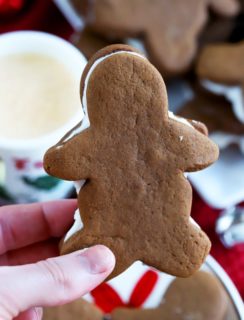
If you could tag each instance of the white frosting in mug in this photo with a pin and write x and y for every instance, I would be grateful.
(224, 140)
(232, 93)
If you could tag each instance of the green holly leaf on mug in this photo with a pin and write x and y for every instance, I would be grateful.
(4, 194)
(42, 183)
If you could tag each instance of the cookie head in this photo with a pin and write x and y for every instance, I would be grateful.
(133, 155)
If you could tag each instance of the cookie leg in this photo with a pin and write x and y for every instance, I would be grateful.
(82, 240)
(65, 163)
(183, 255)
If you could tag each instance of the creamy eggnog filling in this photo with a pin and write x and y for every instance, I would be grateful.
(232, 93)
(38, 95)
(78, 225)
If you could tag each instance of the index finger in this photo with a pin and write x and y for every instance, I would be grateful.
(22, 225)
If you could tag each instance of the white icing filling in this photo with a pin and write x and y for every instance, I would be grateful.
(179, 119)
(77, 226)
(232, 93)
(84, 125)
(224, 139)
(194, 223)
(78, 185)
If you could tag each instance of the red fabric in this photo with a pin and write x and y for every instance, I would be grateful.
(107, 299)
(232, 260)
(9, 8)
(40, 15)
(43, 15)
(143, 289)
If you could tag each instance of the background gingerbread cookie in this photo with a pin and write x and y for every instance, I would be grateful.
(133, 154)
(168, 29)
(220, 69)
(79, 309)
(89, 42)
(217, 113)
(198, 297)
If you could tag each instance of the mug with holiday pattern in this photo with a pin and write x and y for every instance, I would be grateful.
(39, 103)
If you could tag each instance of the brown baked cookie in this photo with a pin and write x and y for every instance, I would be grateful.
(222, 63)
(213, 110)
(133, 155)
(89, 42)
(221, 71)
(77, 310)
(170, 29)
(199, 297)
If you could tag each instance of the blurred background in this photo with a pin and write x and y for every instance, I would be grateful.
(211, 31)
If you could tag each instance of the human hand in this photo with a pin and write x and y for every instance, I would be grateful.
(29, 275)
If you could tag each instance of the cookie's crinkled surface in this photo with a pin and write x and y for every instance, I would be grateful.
(170, 29)
(200, 297)
(133, 156)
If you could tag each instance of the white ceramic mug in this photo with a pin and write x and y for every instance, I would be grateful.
(22, 177)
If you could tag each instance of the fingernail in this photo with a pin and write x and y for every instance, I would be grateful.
(98, 259)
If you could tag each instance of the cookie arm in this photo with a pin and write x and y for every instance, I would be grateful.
(185, 254)
(195, 150)
(68, 161)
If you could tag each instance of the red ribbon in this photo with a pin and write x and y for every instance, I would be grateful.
(107, 299)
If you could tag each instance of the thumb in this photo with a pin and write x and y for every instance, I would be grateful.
(53, 281)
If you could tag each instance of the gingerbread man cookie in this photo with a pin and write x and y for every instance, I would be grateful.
(169, 29)
(221, 70)
(200, 297)
(217, 113)
(133, 153)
